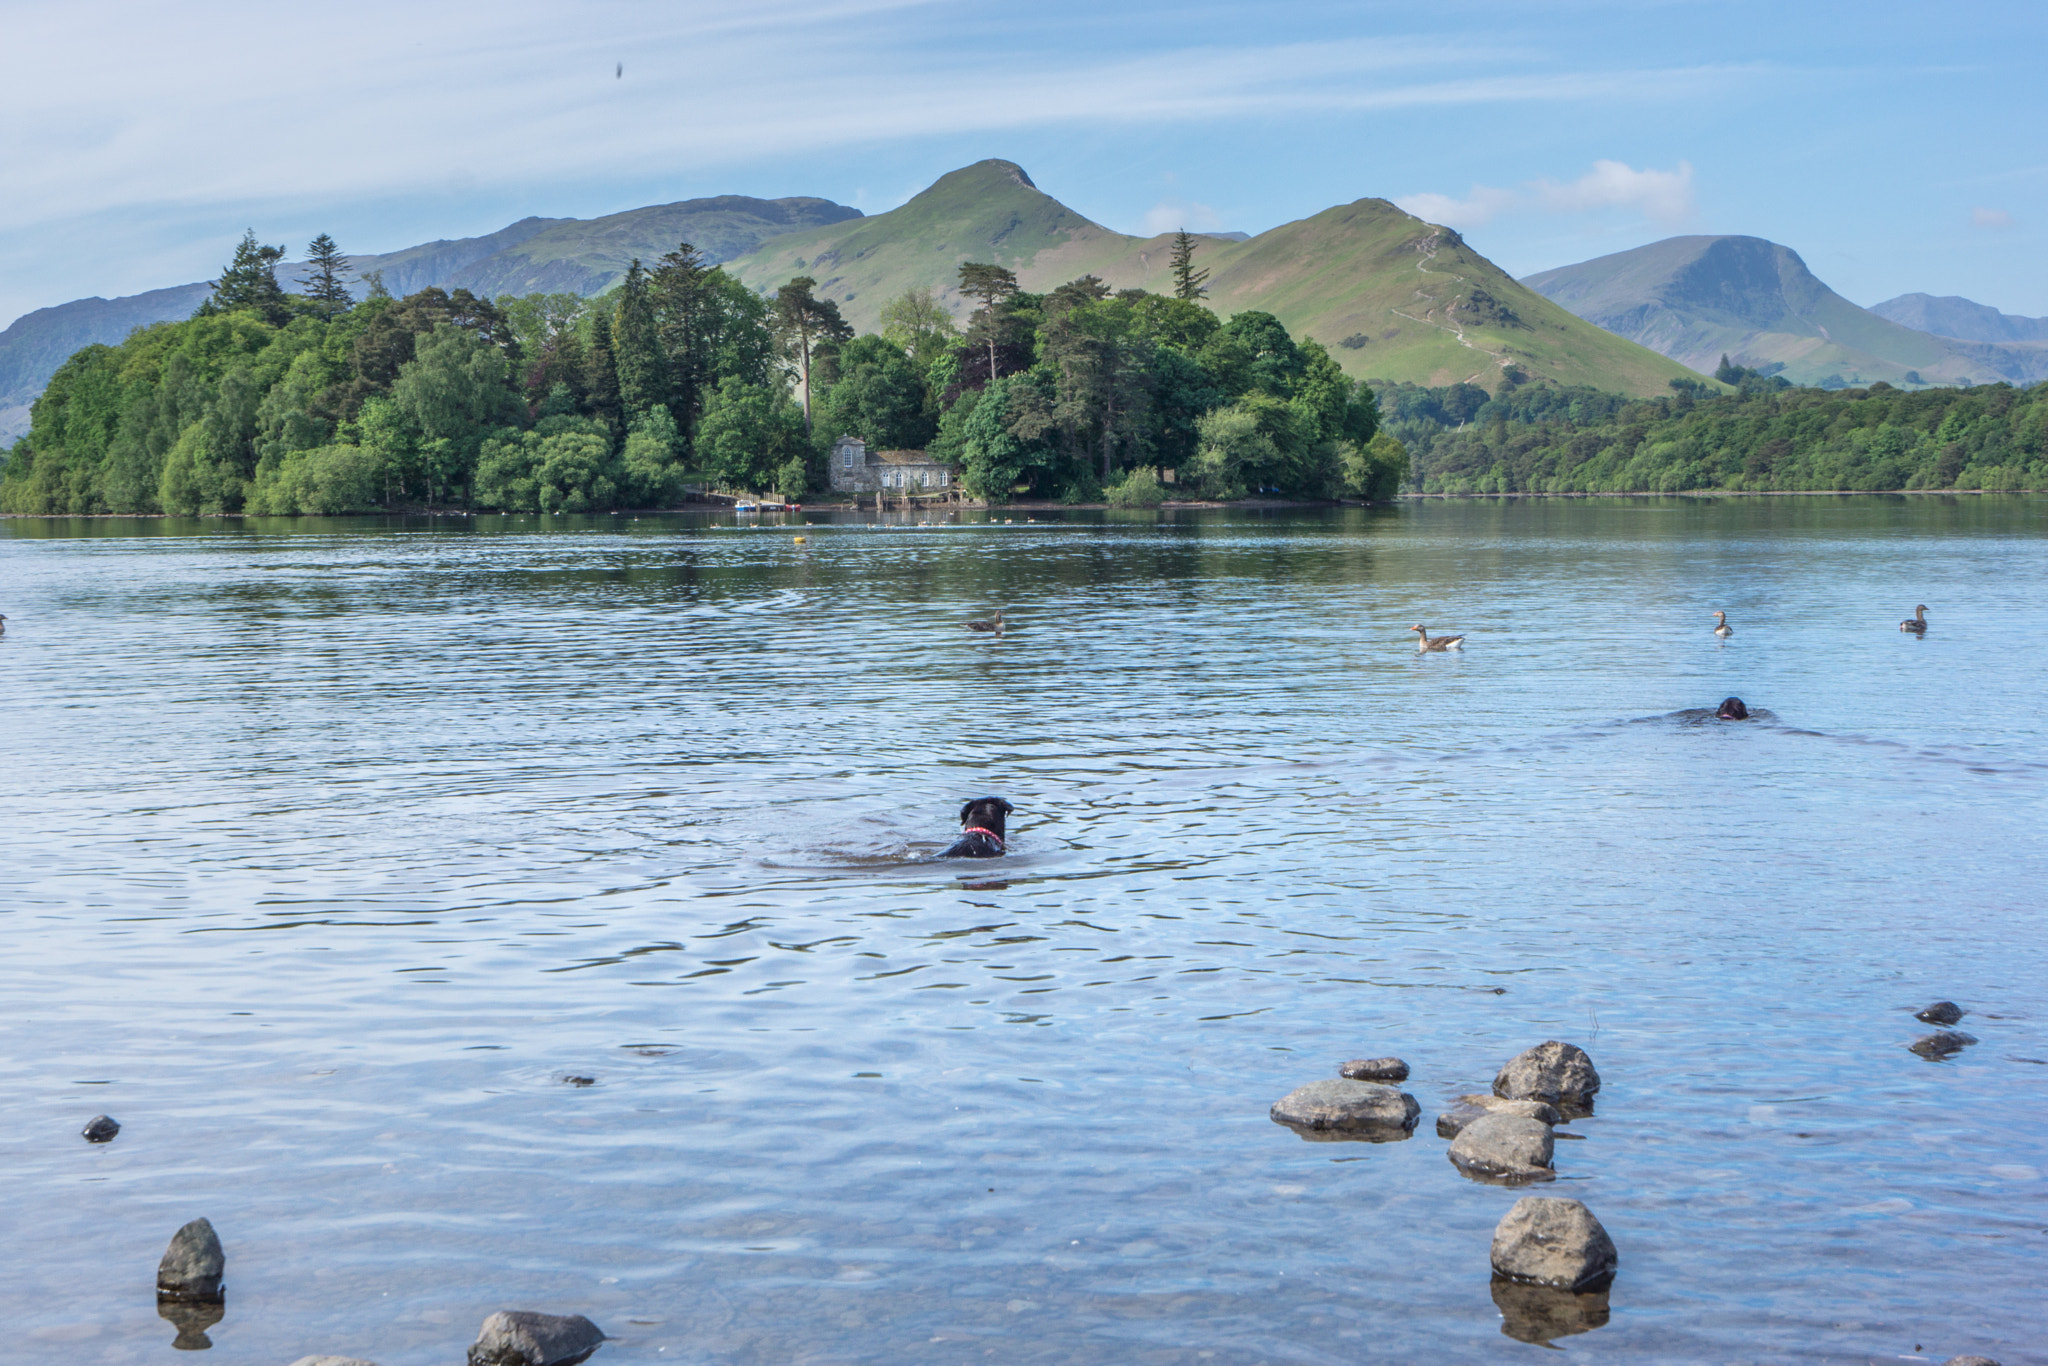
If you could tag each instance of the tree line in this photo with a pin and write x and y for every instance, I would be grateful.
(277, 401)
(1767, 437)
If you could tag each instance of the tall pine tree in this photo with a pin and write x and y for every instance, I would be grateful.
(600, 371)
(991, 286)
(249, 284)
(323, 285)
(636, 349)
(804, 323)
(1187, 281)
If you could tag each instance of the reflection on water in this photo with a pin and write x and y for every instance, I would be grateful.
(191, 1321)
(1540, 1314)
(537, 913)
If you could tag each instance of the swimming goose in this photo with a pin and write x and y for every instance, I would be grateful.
(1440, 643)
(994, 623)
(1917, 624)
(1721, 626)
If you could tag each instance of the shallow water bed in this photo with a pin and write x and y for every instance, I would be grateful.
(337, 848)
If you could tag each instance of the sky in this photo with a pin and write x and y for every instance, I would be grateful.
(1897, 147)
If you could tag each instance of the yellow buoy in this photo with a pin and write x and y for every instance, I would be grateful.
(801, 539)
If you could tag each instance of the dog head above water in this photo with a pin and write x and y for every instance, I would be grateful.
(985, 813)
(1732, 710)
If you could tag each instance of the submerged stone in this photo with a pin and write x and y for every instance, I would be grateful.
(1452, 1122)
(1546, 1240)
(1349, 1109)
(1558, 1073)
(514, 1337)
(1510, 1149)
(1969, 1361)
(192, 1266)
(1941, 1043)
(1941, 1012)
(1374, 1069)
(100, 1129)
(1539, 1313)
(332, 1361)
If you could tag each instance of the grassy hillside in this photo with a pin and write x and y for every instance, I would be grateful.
(1391, 296)
(1695, 299)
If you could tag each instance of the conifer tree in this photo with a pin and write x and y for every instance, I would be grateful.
(804, 323)
(323, 286)
(249, 283)
(990, 286)
(636, 350)
(600, 372)
(1187, 281)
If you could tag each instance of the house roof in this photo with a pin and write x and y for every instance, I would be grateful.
(903, 458)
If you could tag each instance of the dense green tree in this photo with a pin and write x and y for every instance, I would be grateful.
(1188, 283)
(749, 434)
(454, 393)
(600, 371)
(879, 397)
(323, 283)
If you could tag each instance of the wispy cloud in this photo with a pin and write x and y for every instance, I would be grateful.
(1664, 197)
(1991, 218)
(1172, 215)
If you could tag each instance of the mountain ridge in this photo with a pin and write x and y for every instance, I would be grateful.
(1696, 298)
(1951, 315)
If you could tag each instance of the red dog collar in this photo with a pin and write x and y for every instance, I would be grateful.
(977, 830)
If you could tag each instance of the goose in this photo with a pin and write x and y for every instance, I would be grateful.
(1917, 623)
(1440, 643)
(3, 623)
(1721, 626)
(994, 623)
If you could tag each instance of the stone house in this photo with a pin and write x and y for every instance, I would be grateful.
(856, 469)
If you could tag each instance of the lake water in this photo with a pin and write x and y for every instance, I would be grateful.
(333, 848)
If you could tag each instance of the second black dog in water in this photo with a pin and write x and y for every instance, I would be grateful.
(981, 829)
(1732, 710)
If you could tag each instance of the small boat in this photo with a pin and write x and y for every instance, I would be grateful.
(746, 507)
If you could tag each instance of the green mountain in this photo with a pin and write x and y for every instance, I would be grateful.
(566, 255)
(1392, 297)
(1696, 299)
(1954, 316)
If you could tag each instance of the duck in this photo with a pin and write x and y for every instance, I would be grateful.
(1721, 626)
(994, 623)
(1440, 643)
(1917, 623)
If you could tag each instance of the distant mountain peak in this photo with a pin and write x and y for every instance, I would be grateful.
(1951, 315)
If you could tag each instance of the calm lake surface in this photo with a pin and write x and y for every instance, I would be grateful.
(333, 848)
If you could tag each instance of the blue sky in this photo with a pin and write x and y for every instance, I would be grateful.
(1896, 147)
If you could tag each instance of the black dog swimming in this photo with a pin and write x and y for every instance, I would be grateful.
(1732, 710)
(981, 829)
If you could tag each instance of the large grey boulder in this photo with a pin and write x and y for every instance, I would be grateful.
(192, 1266)
(1452, 1122)
(1559, 1074)
(1941, 1013)
(1349, 1109)
(1511, 1149)
(514, 1337)
(1374, 1069)
(1539, 1314)
(1545, 1240)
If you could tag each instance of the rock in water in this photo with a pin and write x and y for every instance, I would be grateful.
(191, 1269)
(1352, 1109)
(513, 1337)
(1558, 1073)
(101, 1129)
(1452, 1122)
(1374, 1069)
(1941, 1012)
(1537, 1313)
(1512, 1149)
(1549, 1241)
(1941, 1043)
